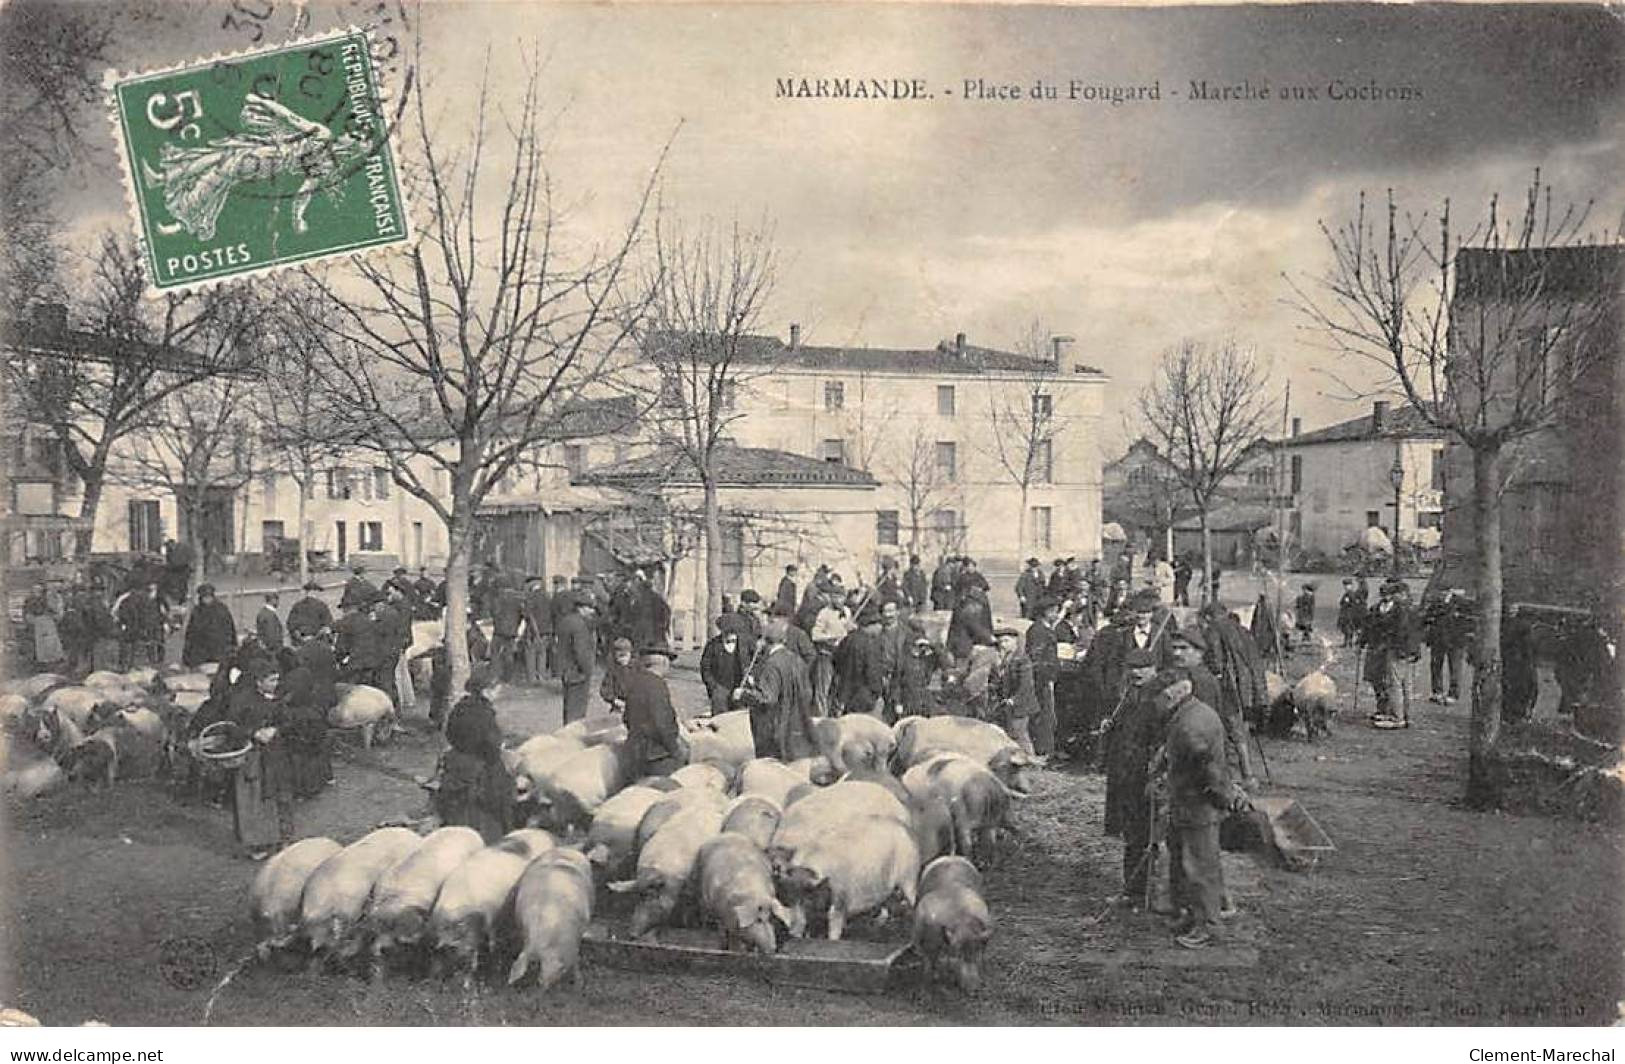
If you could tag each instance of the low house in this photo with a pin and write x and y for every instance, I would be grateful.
(1232, 528)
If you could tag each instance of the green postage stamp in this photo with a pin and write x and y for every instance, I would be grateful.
(242, 163)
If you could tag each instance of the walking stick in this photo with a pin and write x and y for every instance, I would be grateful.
(1359, 673)
(1268, 777)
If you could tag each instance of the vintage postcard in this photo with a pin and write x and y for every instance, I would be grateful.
(708, 514)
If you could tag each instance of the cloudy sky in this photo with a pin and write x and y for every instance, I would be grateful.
(1129, 227)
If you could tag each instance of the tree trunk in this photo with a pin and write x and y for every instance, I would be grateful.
(1483, 778)
(1021, 527)
(303, 487)
(458, 543)
(1207, 558)
(713, 556)
(1168, 543)
(84, 538)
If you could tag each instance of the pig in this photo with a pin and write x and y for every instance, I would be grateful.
(552, 905)
(367, 708)
(854, 867)
(463, 922)
(538, 756)
(143, 719)
(602, 729)
(75, 704)
(918, 738)
(854, 740)
(705, 774)
(612, 839)
(949, 871)
(113, 687)
(736, 891)
(190, 700)
(337, 891)
(142, 677)
(1314, 697)
(403, 897)
(808, 815)
(798, 792)
(572, 791)
(12, 709)
(977, 801)
(725, 737)
(671, 804)
(274, 897)
(195, 682)
(666, 864)
(113, 753)
(754, 817)
(25, 772)
(770, 778)
(952, 927)
(816, 770)
(38, 685)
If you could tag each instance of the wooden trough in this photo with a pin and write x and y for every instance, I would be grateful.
(1296, 836)
(850, 965)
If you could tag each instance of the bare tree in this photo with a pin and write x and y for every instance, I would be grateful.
(95, 388)
(866, 423)
(1488, 331)
(710, 287)
(1023, 423)
(924, 487)
(1205, 408)
(452, 359)
(196, 444)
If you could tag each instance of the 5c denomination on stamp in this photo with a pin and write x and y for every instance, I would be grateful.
(243, 163)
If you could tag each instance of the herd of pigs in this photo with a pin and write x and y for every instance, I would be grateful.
(890, 820)
(124, 725)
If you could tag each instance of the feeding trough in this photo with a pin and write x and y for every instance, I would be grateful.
(851, 965)
(1295, 835)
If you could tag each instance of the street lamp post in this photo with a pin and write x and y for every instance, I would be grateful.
(1396, 477)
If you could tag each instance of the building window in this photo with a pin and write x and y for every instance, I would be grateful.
(730, 396)
(146, 530)
(1042, 525)
(1297, 473)
(886, 528)
(834, 395)
(1043, 408)
(945, 400)
(1261, 477)
(1043, 462)
(1373, 519)
(268, 490)
(832, 450)
(380, 483)
(371, 536)
(1436, 481)
(339, 485)
(1430, 519)
(573, 459)
(947, 459)
(946, 522)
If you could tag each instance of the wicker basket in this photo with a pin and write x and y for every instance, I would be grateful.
(216, 747)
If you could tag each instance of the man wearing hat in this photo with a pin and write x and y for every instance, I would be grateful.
(358, 588)
(1042, 647)
(916, 585)
(578, 650)
(1010, 687)
(398, 578)
(860, 666)
(1391, 641)
(745, 623)
(971, 624)
(1448, 625)
(787, 596)
(1351, 610)
(942, 584)
(779, 695)
(507, 617)
(1187, 652)
(969, 576)
(1142, 625)
(359, 646)
(211, 634)
(425, 594)
(1030, 588)
(1200, 793)
(309, 615)
(654, 743)
(722, 666)
(1132, 739)
(268, 623)
(536, 608)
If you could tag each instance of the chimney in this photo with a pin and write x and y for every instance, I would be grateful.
(1297, 425)
(959, 345)
(1379, 413)
(795, 335)
(1059, 347)
(51, 319)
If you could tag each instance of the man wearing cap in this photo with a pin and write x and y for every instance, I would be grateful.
(722, 667)
(358, 589)
(1187, 651)
(971, 624)
(427, 596)
(916, 585)
(1030, 588)
(211, 634)
(1010, 685)
(268, 624)
(1351, 610)
(359, 646)
(1133, 738)
(536, 610)
(787, 596)
(1042, 650)
(745, 623)
(780, 699)
(309, 615)
(860, 667)
(1448, 624)
(942, 584)
(893, 640)
(507, 617)
(654, 743)
(1391, 641)
(1200, 793)
(578, 650)
(393, 615)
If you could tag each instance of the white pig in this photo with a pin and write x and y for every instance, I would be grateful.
(367, 708)
(770, 778)
(571, 793)
(337, 891)
(666, 864)
(612, 839)
(736, 891)
(854, 868)
(952, 927)
(462, 925)
(703, 774)
(405, 895)
(725, 737)
(278, 887)
(552, 905)
(854, 740)
(754, 817)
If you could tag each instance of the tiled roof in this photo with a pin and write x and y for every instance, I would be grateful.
(944, 358)
(736, 467)
(1233, 518)
(1402, 420)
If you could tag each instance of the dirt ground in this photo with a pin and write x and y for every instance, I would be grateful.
(128, 907)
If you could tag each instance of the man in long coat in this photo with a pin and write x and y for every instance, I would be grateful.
(786, 597)
(309, 615)
(654, 743)
(780, 699)
(1030, 588)
(268, 624)
(859, 664)
(1042, 649)
(1137, 734)
(916, 585)
(211, 634)
(577, 652)
(141, 623)
(358, 589)
(971, 624)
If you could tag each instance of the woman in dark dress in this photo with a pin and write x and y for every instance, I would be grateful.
(262, 792)
(475, 788)
(304, 727)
